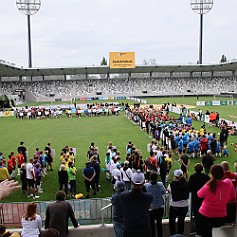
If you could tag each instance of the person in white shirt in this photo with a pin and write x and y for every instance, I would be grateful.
(116, 175)
(31, 222)
(30, 176)
(126, 174)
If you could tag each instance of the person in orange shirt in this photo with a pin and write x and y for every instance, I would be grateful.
(10, 167)
(150, 165)
(13, 160)
(20, 161)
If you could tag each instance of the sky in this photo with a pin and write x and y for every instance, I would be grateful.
(74, 33)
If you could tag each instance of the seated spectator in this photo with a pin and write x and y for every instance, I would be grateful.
(51, 232)
(5, 233)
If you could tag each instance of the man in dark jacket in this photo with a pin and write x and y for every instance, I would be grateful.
(196, 181)
(136, 205)
(118, 209)
(57, 215)
(207, 162)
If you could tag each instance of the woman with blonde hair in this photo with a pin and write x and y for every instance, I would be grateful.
(31, 222)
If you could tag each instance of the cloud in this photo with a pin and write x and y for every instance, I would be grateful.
(81, 32)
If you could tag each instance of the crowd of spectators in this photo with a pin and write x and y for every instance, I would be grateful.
(129, 86)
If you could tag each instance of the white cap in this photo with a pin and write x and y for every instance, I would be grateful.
(178, 173)
(138, 177)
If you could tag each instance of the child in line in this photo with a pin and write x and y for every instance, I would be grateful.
(218, 148)
(225, 151)
(169, 166)
(38, 175)
(23, 178)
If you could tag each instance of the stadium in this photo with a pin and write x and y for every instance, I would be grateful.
(205, 87)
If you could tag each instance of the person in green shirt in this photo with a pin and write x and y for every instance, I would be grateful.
(72, 179)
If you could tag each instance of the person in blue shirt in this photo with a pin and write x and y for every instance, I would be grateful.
(196, 147)
(176, 140)
(180, 147)
(189, 121)
(185, 139)
(180, 120)
(89, 174)
(190, 148)
(218, 148)
(225, 151)
(157, 190)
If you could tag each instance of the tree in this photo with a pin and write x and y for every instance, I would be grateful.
(223, 59)
(150, 62)
(103, 62)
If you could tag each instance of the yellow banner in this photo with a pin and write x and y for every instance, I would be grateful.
(122, 59)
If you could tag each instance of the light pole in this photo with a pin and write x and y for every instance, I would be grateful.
(28, 7)
(201, 7)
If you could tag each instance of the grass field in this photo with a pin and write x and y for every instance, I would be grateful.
(79, 133)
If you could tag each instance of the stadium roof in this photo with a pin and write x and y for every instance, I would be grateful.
(10, 70)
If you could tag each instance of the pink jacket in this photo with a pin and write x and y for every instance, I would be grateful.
(214, 204)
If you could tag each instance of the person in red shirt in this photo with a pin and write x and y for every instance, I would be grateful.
(150, 165)
(10, 167)
(228, 174)
(204, 145)
(13, 159)
(20, 161)
(231, 206)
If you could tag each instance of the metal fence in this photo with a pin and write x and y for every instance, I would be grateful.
(87, 211)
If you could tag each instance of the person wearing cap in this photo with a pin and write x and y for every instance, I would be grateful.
(136, 205)
(196, 181)
(157, 190)
(179, 191)
(118, 209)
(126, 174)
(116, 175)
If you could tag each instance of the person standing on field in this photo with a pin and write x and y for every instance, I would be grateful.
(22, 149)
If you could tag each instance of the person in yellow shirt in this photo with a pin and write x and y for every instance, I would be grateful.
(71, 157)
(169, 161)
(62, 157)
(3, 172)
(66, 161)
(202, 131)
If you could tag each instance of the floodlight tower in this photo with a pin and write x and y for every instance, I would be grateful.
(28, 8)
(201, 7)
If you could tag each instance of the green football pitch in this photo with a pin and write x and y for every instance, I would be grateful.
(79, 133)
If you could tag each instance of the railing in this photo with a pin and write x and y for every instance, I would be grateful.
(102, 214)
(87, 211)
